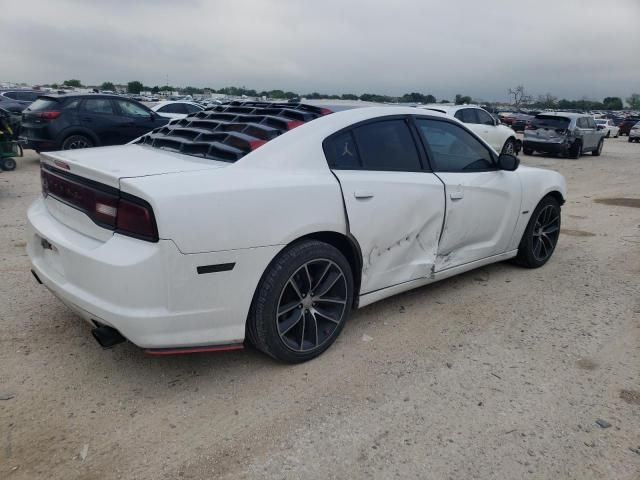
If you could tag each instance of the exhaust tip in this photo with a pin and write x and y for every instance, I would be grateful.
(107, 337)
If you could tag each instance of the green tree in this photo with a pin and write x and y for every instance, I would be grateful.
(134, 87)
(612, 103)
(634, 101)
(72, 83)
(349, 96)
(108, 86)
(155, 90)
(461, 100)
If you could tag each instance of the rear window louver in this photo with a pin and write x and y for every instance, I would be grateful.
(230, 131)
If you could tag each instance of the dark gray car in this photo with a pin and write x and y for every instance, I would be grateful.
(565, 133)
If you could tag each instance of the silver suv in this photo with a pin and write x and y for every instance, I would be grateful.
(565, 133)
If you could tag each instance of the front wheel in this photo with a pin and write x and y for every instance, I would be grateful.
(302, 302)
(8, 164)
(527, 151)
(510, 147)
(541, 235)
(575, 151)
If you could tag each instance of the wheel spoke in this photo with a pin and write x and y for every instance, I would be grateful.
(537, 247)
(549, 230)
(304, 324)
(315, 326)
(553, 220)
(309, 282)
(287, 308)
(333, 282)
(329, 300)
(327, 317)
(292, 322)
(321, 278)
(292, 282)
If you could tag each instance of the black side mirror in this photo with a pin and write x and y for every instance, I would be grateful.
(508, 162)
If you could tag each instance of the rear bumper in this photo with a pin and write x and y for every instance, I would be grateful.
(150, 292)
(39, 145)
(546, 147)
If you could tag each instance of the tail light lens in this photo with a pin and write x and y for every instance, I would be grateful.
(49, 115)
(106, 206)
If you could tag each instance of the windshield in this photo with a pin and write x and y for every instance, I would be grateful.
(42, 104)
(548, 121)
(601, 122)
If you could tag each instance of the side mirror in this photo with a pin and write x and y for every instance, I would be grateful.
(508, 162)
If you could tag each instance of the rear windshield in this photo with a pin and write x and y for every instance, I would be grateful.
(43, 104)
(548, 121)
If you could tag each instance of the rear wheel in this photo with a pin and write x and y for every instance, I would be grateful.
(510, 147)
(302, 302)
(541, 235)
(73, 142)
(608, 133)
(598, 150)
(575, 151)
(630, 140)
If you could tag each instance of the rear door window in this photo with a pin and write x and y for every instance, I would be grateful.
(98, 105)
(387, 145)
(130, 109)
(192, 108)
(452, 148)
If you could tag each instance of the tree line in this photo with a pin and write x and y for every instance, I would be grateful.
(519, 97)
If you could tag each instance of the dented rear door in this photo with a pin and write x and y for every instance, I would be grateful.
(395, 209)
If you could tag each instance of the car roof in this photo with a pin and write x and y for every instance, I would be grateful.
(59, 96)
(564, 114)
(449, 109)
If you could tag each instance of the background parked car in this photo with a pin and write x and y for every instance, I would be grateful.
(22, 97)
(179, 109)
(500, 137)
(627, 123)
(563, 133)
(61, 122)
(520, 121)
(608, 127)
(634, 133)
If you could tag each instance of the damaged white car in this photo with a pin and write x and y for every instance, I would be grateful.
(272, 222)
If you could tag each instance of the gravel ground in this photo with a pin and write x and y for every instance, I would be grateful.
(498, 373)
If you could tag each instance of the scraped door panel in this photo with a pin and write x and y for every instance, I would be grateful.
(482, 211)
(396, 218)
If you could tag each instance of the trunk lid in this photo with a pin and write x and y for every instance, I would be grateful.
(107, 165)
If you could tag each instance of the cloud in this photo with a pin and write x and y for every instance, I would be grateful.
(572, 48)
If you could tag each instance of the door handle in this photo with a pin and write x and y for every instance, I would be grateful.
(361, 195)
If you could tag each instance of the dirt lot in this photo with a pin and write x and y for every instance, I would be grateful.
(499, 373)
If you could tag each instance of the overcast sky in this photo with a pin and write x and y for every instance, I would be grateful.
(571, 48)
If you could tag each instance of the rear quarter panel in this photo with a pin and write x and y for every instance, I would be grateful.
(536, 184)
(235, 208)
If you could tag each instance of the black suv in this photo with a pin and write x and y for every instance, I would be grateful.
(627, 124)
(62, 122)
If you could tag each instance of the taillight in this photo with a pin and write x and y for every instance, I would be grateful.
(529, 126)
(106, 206)
(135, 218)
(49, 115)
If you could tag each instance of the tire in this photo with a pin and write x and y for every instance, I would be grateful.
(8, 164)
(73, 142)
(309, 321)
(598, 150)
(534, 241)
(630, 140)
(527, 151)
(608, 134)
(575, 151)
(510, 147)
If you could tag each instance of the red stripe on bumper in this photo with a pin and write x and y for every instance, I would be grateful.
(186, 350)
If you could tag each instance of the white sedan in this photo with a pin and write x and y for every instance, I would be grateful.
(502, 138)
(607, 126)
(176, 109)
(272, 222)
